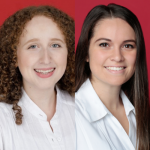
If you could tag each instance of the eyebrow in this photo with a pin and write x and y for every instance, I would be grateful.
(103, 39)
(130, 40)
(35, 39)
(56, 39)
(31, 40)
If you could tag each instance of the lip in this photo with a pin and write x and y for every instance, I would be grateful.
(115, 66)
(116, 71)
(44, 75)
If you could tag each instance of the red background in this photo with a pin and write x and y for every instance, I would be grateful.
(8, 7)
(141, 8)
(78, 9)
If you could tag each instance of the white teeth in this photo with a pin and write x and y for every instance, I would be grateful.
(115, 68)
(44, 71)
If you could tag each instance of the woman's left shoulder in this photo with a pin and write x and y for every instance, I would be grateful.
(66, 98)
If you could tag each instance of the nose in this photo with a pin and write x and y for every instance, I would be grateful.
(117, 55)
(45, 57)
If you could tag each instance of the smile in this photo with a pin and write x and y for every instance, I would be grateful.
(115, 68)
(44, 71)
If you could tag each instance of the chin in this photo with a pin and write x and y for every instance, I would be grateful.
(115, 82)
(45, 86)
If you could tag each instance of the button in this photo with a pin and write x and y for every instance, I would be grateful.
(58, 139)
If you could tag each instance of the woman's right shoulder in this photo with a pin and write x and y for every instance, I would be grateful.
(5, 107)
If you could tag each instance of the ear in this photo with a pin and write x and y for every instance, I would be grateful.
(16, 65)
(87, 59)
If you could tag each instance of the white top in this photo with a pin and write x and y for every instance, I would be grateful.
(96, 127)
(35, 133)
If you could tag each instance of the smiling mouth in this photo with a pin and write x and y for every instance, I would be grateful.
(44, 71)
(115, 68)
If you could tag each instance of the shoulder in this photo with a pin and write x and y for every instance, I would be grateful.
(84, 93)
(65, 97)
(85, 90)
(6, 113)
(5, 108)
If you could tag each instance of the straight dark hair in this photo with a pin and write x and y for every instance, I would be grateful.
(136, 88)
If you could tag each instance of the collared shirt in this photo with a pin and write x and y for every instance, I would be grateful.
(96, 127)
(35, 133)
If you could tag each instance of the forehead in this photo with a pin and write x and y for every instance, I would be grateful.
(114, 29)
(41, 25)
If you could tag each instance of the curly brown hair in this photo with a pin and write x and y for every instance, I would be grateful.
(10, 32)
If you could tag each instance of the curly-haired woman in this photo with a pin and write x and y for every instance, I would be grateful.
(37, 80)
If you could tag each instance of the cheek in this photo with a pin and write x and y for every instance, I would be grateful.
(131, 59)
(61, 58)
(25, 60)
(97, 58)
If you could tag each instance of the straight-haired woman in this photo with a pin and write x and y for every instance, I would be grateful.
(111, 81)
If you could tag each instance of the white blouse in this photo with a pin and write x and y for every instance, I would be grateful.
(35, 133)
(96, 127)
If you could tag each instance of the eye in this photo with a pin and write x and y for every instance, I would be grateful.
(56, 45)
(128, 46)
(32, 47)
(103, 45)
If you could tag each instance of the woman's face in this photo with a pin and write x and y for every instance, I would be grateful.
(41, 53)
(112, 52)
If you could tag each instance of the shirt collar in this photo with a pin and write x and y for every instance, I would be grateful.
(91, 105)
(88, 100)
(127, 104)
(30, 106)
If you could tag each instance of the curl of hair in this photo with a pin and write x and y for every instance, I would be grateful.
(10, 32)
(136, 88)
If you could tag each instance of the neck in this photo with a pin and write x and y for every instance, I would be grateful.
(108, 94)
(45, 99)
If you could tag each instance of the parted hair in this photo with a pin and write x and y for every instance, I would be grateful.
(10, 32)
(136, 88)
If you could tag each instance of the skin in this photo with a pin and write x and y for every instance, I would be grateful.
(42, 46)
(112, 45)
